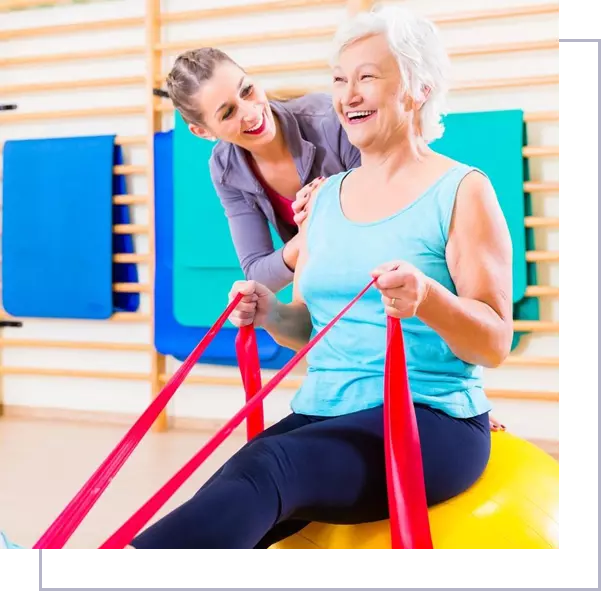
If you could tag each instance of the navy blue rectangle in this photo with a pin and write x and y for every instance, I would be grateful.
(123, 243)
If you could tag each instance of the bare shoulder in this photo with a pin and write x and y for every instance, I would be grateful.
(479, 249)
(478, 232)
(477, 203)
(476, 186)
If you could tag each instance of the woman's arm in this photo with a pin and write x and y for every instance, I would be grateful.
(290, 324)
(252, 240)
(476, 323)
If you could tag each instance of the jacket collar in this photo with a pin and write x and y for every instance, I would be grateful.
(237, 172)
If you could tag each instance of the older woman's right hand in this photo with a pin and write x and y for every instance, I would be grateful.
(256, 304)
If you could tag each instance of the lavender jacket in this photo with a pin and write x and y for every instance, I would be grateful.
(319, 146)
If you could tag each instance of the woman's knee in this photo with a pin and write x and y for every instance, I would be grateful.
(261, 461)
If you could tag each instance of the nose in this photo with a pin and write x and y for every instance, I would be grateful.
(351, 96)
(249, 112)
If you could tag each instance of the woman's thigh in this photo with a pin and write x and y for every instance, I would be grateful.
(455, 452)
(333, 470)
(289, 423)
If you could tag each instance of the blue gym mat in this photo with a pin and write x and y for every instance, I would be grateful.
(57, 240)
(171, 337)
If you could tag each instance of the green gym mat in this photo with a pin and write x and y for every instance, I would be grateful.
(205, 262)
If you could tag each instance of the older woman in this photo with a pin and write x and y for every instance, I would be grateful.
(430, 229)
(432, 233)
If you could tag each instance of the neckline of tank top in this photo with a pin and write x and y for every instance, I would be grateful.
(404, 209)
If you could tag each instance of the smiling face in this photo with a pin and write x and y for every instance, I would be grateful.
(368, 93)
(234, 109)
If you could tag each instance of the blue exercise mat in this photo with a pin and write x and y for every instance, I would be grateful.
(57, 239)
(171, 337)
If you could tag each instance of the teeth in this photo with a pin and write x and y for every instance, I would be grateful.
(257, 125)
(356, 114)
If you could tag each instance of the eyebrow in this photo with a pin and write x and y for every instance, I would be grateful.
(368, 64)
(337, 68)
(225, 104)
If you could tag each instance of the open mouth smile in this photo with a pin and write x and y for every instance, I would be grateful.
(356, 117)
(259, 128)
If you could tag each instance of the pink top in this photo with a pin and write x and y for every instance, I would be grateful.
(282, 206)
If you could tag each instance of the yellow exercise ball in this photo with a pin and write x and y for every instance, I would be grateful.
(514, 504)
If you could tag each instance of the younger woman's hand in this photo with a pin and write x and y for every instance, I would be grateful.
(303, 197)
(256, 304)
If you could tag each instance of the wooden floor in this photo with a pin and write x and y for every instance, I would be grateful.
(44, 463)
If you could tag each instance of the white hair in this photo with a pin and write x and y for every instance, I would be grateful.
(421, 56)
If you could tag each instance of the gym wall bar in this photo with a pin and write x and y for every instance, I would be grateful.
(156, 108)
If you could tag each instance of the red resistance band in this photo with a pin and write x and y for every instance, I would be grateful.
(406, 492)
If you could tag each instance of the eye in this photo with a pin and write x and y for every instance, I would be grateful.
(338, 79)
(367, 76)
(228, 113)
(246, 91)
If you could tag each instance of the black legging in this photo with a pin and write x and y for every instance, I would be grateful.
(329, 470)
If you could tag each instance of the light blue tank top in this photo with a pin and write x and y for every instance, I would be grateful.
(346, 368)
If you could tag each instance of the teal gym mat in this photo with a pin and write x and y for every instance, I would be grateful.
(205, 262)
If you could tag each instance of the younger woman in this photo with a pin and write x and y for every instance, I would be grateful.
(266, 152)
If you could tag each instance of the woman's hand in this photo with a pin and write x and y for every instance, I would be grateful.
(256, 305)
(403, 288)
(495, 425)
(299, 206)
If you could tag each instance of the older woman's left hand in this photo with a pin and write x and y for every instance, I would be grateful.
(403, 288)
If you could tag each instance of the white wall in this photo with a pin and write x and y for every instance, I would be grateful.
(538, 420)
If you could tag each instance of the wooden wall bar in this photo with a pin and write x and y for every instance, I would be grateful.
(152, 51)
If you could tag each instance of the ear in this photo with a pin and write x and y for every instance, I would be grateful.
(201, 132)
(426, 90)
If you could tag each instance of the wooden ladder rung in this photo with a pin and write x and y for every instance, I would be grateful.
(541, 187)
(538, 291)
(131, 288)
(127, 257)
(129, 169)
(542, 256)
(531, 395)
(523, 360)
(88, 345)
(541, 222)
(130, 199)
(71, 373)
(535, 326)
(130, 229)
